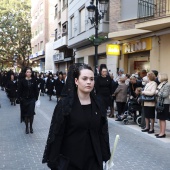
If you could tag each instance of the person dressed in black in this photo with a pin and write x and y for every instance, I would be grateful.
(27, 95)
(59, 84)
(12, 90)
(50, 85)
(103, 87)
(133, 84)
(78, 137)
(42, 84)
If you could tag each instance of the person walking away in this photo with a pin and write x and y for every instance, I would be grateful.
(12, 90)
(163, 90)
(78, 136)
(149, 106)
(27, 95)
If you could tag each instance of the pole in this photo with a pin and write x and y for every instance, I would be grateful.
(96, 37)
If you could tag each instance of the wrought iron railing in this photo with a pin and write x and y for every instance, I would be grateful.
(153, 9)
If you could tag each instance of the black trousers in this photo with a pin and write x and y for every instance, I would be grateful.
(120, 107)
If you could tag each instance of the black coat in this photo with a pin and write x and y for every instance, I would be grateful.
(27, 92)
(132, 87)
(12, 89)
(59, 84)
(103, 87)
(50, 86)
(66, 138)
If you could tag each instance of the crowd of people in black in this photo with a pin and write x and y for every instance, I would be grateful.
(25, 87)
(78, 136)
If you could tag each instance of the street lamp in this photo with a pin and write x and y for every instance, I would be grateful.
(95, 14)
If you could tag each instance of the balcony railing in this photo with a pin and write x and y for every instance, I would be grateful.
(153, 9)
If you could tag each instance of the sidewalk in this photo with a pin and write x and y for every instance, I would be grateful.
(134, 126)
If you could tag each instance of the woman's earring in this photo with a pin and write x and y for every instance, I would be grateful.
(76, 85)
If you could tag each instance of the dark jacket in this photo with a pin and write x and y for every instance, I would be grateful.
(12, 89)
(61, 142)
(27, 92)
(59, 84)
(50, 86)
(132, 87)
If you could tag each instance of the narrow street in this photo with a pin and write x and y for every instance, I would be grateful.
(135, 151)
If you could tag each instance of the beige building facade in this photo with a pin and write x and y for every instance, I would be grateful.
(142, 33)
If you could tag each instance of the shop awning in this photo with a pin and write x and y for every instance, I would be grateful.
(123, 35)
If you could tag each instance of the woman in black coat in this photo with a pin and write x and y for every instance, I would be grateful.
(50, 85)
(78, 137)
(42, 83)
(12, 90)
(27, 95)
(103, 87)
(59, 84)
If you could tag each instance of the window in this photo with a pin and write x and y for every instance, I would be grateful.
(126, 9)
(64, 4)
(82, 20)
(64, 29)
(72, 26)
(59, 30)
(55, 35)
(41, 7)
(56, 10)
(36, 14)
(41, 45)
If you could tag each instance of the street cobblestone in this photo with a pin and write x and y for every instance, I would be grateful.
(135, 150)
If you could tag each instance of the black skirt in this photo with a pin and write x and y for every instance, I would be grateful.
(27, 107)
(149, 112)
(163, 115)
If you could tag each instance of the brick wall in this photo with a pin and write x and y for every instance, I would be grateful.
(115, 18)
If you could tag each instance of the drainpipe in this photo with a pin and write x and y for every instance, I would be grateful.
(159, 57)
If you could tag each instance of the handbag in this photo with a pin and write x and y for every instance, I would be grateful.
(160, 104)
(146, 98)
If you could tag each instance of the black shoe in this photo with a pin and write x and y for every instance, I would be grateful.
(119, 119)
(157, 134)
(31, 131)
(151, 131)
(26, 131)
(163, 136)
(145, 130)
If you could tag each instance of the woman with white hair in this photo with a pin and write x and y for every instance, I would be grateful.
(163, 91)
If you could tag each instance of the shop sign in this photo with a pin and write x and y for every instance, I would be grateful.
(113, 49)
(58, 57)
(137, 46)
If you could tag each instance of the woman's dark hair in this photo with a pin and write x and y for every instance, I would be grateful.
(101, 67)
(69, 88)
(80, 67)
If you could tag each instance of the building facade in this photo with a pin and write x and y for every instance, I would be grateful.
(39, 32)
(63, 56)
(142, 33)
(80, 30)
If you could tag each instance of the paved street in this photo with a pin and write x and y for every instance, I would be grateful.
(18, 151)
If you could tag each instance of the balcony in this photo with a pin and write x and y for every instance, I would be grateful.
(153, 14)
(60, 43)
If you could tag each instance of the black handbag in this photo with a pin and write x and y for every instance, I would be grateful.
(146, 98)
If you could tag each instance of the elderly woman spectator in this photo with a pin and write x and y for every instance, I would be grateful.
(121, 97)
(149, 106)
(163, 90)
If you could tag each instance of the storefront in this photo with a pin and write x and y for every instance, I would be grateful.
(136, 55)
